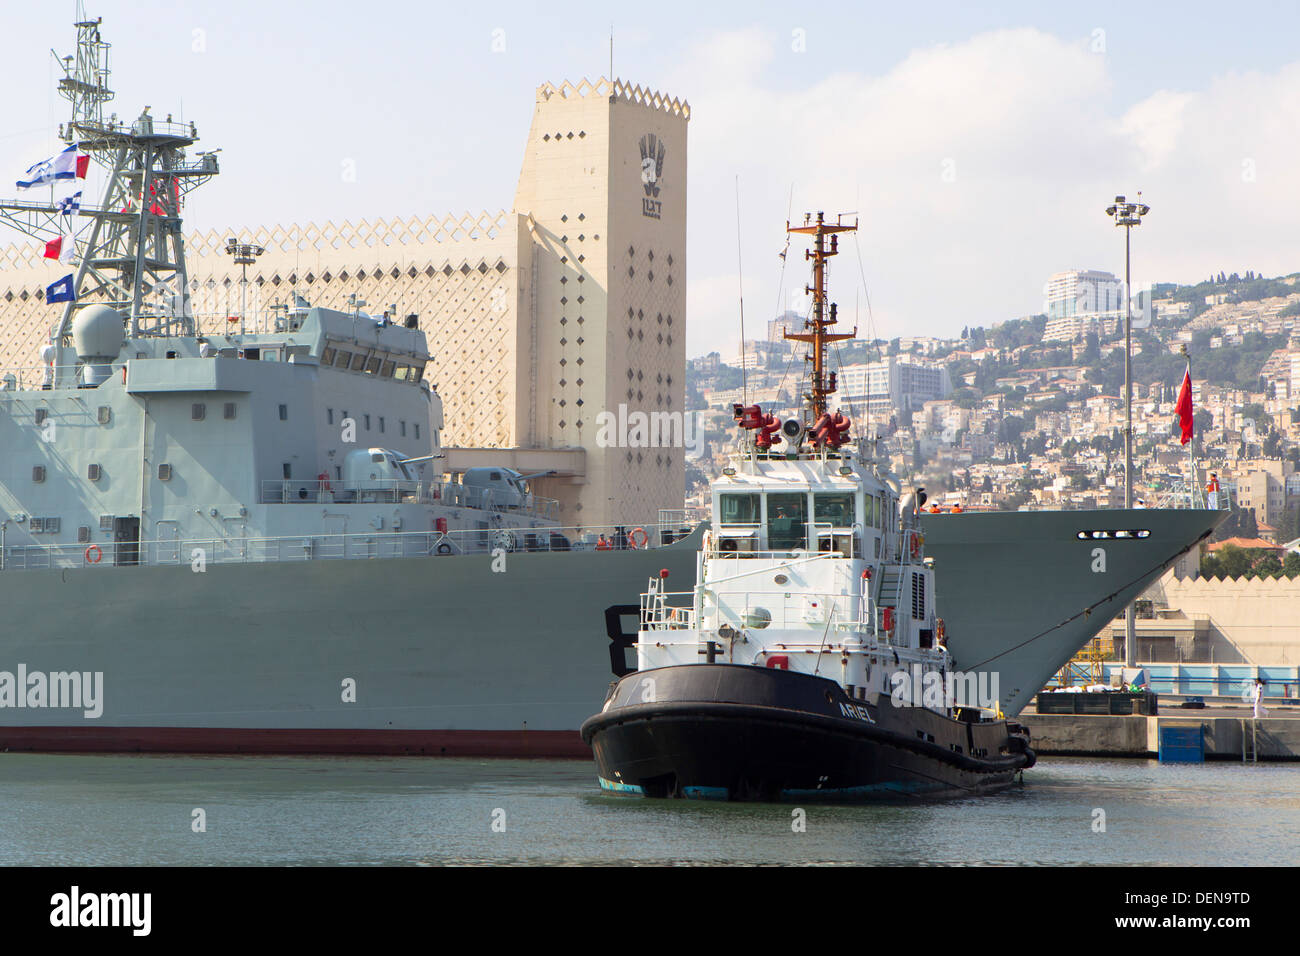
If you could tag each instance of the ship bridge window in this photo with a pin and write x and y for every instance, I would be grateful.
(871, 518)
(343, 359)
(327, 356)
(372, 366)
(270, 355)
(388, 369)
(835, 509)
(739, 509)
(358, 361)
(787, 514)
(403, 373)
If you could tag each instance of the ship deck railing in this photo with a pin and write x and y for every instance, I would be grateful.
(757, 611)
(21, 378)
(200, 552)
(401, 491)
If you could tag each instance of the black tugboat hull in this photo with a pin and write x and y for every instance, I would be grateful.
(732, 732)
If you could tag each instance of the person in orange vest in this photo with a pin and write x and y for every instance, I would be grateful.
(935, 509)
(1212, 492)
(956, 509)
(602, 544)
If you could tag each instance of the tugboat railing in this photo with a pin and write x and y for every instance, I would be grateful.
(752, 611)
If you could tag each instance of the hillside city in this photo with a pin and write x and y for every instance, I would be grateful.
(1029, 414)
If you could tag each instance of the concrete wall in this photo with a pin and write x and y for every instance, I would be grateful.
(1277, 738)
(1252, 620)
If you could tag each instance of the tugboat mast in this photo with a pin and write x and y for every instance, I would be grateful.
(823, 313)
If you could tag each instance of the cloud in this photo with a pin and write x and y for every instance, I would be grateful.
(978, 169)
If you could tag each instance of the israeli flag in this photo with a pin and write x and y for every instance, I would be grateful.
(70, 206)
(63, 166)
(65, 290)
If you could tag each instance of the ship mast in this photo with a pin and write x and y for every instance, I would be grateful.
(130, 253)
(823, 313)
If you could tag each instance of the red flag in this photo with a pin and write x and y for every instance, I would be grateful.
(83, 164)
(1184, 407)
(53, 248)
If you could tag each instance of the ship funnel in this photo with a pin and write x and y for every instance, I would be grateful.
(98, 335)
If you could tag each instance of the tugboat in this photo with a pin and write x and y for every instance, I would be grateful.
(808, 661)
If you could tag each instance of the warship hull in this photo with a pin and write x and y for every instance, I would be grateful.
(1021, 592)
(740, 732)
(441, 655)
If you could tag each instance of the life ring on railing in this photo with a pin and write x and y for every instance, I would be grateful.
(324, 480)
(645, 539)
(98, 554)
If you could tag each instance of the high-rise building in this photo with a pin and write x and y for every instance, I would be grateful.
(1081, 301)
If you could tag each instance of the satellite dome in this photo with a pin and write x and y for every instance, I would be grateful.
(97, 333)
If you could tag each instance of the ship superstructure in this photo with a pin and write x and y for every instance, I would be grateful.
(141, 440)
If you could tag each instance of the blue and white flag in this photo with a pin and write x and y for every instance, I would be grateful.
(71, 205)
(65, 290)
(66, 165)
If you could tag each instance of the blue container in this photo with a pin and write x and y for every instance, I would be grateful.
(1182, 745)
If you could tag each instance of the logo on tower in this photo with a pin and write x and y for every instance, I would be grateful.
(652, 171)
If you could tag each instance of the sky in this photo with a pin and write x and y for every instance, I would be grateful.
(977, 147)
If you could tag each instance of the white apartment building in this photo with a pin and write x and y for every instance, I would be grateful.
(1080, 301)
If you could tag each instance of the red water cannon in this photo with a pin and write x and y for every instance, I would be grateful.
(766, 431)
(748, 416)
(831, 431)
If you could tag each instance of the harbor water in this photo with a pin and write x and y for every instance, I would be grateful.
(215, 811)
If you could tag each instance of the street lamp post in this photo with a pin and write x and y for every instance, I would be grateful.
(245, 254)
(1128, 215)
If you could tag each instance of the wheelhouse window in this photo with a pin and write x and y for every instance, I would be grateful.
(834, 509)
(358, 361)
(342, 359)
(327, 356)
(739, 509)
(787, 516)
(871, 509)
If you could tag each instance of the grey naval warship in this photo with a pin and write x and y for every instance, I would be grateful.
(199, 554)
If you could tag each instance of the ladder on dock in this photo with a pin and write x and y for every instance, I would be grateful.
(1249, 740)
